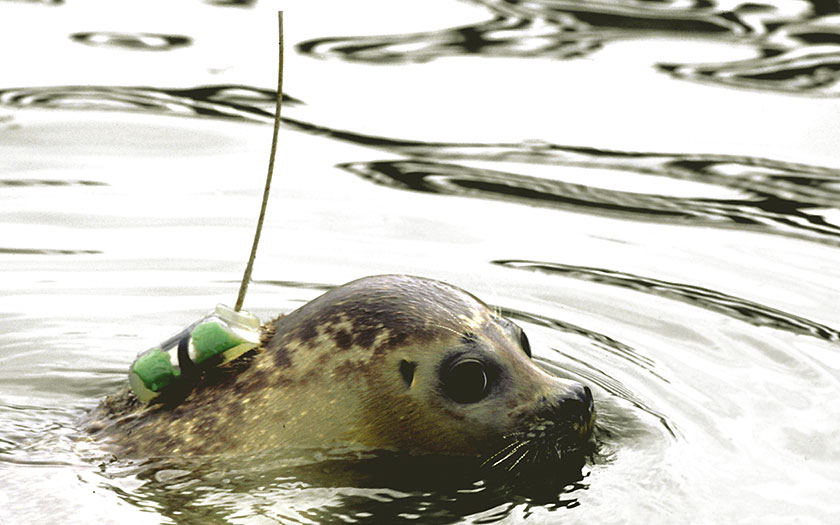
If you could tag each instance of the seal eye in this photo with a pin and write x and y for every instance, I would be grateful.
(523, 340)
(465, 381)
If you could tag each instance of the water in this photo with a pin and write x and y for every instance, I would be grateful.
(651, 189)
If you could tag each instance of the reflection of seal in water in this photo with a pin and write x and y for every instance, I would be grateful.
(392, 361)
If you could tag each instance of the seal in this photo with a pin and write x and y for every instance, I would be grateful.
(392, 362)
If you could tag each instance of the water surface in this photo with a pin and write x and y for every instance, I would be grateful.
(651, 189)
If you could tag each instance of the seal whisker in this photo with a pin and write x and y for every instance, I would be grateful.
(511, 449)
(521, 457)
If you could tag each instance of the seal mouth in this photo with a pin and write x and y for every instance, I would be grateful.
(548, 443)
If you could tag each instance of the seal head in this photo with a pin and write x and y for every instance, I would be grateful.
(393, 362)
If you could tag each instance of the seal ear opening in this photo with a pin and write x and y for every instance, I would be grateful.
(407, 371)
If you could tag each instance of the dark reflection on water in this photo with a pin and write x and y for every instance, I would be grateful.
(231, 3)
(45, 251)
(734, 307)
(49, 182)
(388, 488)
(797, 43)
(133, 41)
(48, 2)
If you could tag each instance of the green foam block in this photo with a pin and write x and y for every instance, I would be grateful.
(154, 369)
(211, 338)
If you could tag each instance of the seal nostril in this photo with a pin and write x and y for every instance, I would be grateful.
(407, 371)
(582, 395)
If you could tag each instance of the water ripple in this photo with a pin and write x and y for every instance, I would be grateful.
(775, 196)
(735, 307)
(132, 41)
(45, 251)
(768, 195)
(49, 182)
(226, 101)
(586, 371)
(503, 36)
(795, 58)
(552, 29)
(48, 2)
(602, 341)
(231, 3)
(796, 43)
